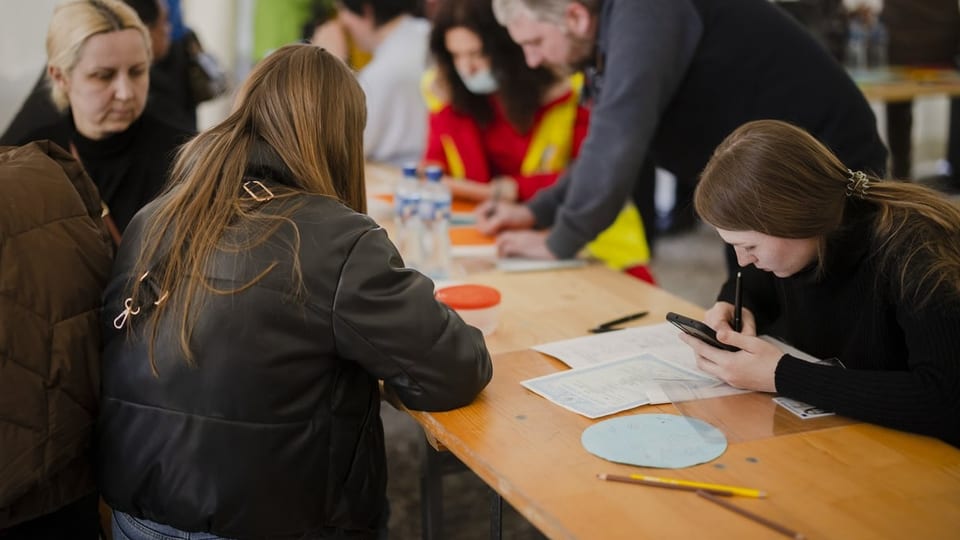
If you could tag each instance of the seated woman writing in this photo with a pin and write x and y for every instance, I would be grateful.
(862, 272)
(501, 130)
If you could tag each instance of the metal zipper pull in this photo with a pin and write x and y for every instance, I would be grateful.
(128, 310)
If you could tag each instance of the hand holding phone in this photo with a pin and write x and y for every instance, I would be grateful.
(698, 330)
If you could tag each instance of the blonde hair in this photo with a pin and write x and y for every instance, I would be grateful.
(775, 178)
(307, 107)
(74, 22)
(552, 11)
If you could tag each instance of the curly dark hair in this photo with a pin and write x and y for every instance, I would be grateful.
(521, 88)
(147, 10)
(384, 11)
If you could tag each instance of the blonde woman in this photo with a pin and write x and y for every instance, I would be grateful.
(253, 309)
(98, 67)
(857, 271)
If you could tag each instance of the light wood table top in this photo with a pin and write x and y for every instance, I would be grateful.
(828, 477)
(539, 307)
(906, 83)
(380, 177)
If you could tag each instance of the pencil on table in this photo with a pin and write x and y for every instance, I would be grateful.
(750, 515)
(688, 485)
(630, 480)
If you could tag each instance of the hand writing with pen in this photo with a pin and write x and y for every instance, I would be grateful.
(513, 225)
(495, 216)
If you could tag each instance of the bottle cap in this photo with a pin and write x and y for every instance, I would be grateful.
(433, 173)
(409, 169)
(469, 296)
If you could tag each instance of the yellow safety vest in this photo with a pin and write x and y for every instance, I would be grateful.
(621, 245)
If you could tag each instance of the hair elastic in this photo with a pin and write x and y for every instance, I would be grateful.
(857, 184)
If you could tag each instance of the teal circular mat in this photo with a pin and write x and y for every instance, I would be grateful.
(666, 441)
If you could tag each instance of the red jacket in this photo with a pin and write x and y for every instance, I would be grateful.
(457, 143)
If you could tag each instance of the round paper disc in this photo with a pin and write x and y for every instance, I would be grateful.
(666, 441)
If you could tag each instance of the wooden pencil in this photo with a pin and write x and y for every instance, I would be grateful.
(629, 480)
(750, 515)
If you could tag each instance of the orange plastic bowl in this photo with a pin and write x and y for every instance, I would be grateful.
(478, 305)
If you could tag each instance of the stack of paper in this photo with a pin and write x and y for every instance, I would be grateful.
(469, 242)
(616, 371)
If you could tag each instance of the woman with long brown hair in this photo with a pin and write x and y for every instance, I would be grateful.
(861, 272)
(252, 311)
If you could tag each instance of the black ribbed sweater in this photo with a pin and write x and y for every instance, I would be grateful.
(129, 168)
(901, 356)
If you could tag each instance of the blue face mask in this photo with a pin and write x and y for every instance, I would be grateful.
(481, 82)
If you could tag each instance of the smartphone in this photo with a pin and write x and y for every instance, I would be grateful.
(698, 330)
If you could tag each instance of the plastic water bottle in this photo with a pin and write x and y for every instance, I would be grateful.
(408, 230)
(856, 54)
(435, 215)
(879, 42)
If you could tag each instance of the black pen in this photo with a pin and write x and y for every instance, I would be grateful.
(494, 199)
(607, 326)
(738, 306)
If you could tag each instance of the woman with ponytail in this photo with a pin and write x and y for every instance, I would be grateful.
(861, 272)
(252, 312)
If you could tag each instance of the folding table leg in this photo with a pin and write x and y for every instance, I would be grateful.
(431, 494)
(496, 515)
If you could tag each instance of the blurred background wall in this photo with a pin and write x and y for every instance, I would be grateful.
(225, 28)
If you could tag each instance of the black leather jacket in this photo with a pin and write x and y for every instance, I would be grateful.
(276, 432)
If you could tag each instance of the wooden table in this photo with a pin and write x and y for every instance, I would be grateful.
(827, 478)
(850, 480)
(539, 307)
(901, 83)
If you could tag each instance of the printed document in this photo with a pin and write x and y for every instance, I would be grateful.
(631, 367)
(611, 387)
(659, 339)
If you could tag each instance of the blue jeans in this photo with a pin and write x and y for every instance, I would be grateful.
(127, 527)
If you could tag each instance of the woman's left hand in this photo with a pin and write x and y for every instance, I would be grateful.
(753, 367)
(531, 244)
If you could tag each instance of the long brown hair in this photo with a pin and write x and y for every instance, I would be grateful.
(775, 178)
(306, 106)
(522, 89)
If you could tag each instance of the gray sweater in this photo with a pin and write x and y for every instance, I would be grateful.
(673, 78)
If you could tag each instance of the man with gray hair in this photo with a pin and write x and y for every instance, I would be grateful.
(669, 80)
